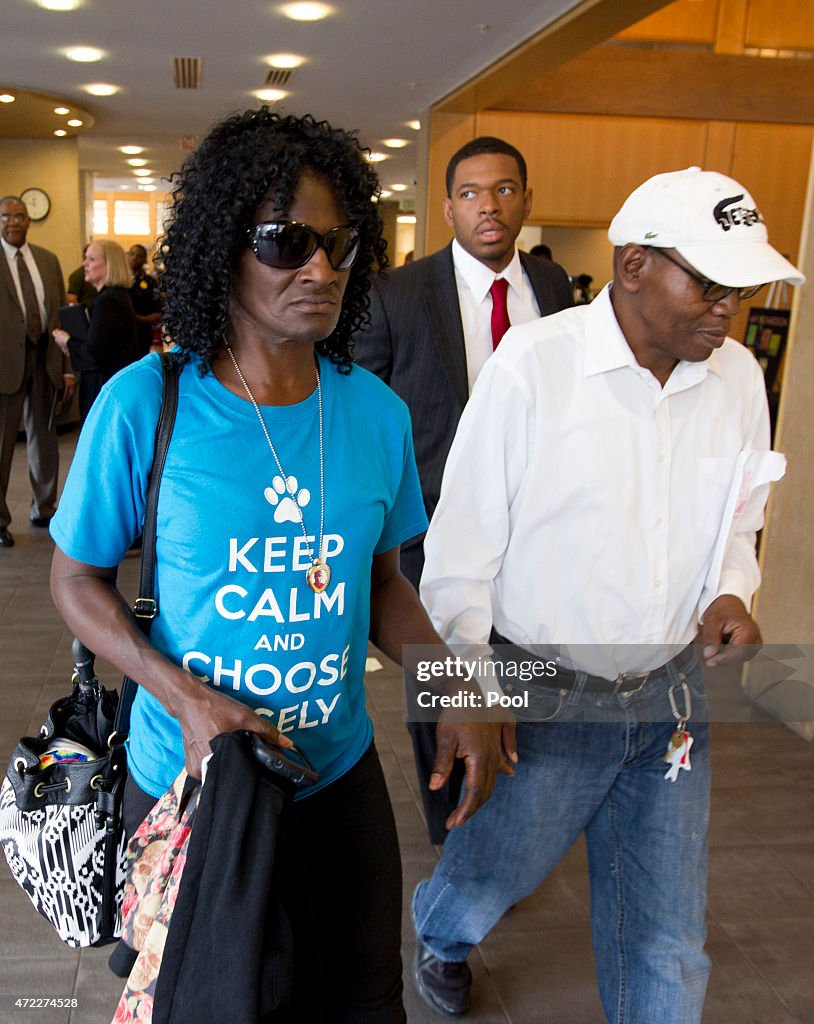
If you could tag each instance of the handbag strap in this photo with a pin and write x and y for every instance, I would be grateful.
(145, 607)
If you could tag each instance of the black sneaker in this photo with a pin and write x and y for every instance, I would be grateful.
(443, 986)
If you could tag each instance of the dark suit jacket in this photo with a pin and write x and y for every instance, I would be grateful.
(12, 322)
(416, 345)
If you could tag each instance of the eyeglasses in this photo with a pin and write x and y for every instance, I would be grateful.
(15, 218)
(713, 292)
(288, 245)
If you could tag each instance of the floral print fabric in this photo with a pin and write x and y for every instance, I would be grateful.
(155, 861)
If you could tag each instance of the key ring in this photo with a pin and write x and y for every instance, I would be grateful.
(681, 719)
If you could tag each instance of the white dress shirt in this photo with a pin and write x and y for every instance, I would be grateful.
(473, 280)
(584, 504)
(11, 255)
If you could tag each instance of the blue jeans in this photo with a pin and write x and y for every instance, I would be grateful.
(594, 765)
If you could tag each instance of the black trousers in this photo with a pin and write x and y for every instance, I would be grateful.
(437, 804)
(341, 875)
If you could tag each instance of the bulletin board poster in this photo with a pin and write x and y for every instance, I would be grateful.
(766, 334)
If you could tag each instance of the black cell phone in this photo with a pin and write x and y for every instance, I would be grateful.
(279, 762)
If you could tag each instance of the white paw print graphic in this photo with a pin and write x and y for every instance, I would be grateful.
(279, 497)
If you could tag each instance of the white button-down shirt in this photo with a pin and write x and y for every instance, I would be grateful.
(584, 504)
(11, 255)
(473, 280)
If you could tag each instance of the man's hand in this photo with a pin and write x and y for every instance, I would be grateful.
(729, 632)
(486, 748)
(68, 387)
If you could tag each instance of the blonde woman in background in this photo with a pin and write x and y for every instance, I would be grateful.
(111, 341)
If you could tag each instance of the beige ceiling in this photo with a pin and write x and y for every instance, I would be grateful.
(373, 65)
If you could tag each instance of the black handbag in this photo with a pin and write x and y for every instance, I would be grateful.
(60, 803)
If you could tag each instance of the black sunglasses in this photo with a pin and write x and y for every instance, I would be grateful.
(288, 245)
(713, 292)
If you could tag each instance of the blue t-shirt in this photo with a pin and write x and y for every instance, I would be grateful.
(235, 607)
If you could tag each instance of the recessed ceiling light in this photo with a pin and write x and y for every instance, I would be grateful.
(141, 172)
(60, 132)
(83, 54)
(101, 89)
(271, 95)
(6, 97)
(58, 5)
(376, 158)
(398, 187)
(306, 11)
(131, 150)
(147, 181)
(62, 111)
(137, 161)
(75, 123)
(395, 143)
(385, 192)
(415, 125)
(284, 60)
(406, 218)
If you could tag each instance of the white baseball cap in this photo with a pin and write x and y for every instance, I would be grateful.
(711, 220)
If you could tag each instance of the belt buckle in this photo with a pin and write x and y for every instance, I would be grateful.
(624, 677)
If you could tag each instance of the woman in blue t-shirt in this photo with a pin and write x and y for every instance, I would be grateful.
(289, 485)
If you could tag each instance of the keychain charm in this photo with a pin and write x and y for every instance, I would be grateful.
(678, 749)
(678, 754)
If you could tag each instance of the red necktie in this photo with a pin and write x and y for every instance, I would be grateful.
(500, 311)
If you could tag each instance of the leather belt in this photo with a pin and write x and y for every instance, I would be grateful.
(627, 682)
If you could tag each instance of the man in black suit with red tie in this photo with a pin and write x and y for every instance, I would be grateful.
(434, 324)
(33, 372)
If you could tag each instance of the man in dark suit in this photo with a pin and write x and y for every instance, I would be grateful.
(434, 324)
(33, 371)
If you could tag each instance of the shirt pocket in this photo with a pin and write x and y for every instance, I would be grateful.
(715, 477)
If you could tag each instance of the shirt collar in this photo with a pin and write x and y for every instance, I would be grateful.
(12, 250)
(606, 347)
(479, 277)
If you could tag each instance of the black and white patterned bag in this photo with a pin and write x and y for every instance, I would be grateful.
(60, 814)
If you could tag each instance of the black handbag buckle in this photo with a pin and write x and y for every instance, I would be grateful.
(145, 608)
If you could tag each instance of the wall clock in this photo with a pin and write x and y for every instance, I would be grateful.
(37, 203)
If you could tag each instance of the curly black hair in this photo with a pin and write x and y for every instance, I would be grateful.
(214, 199)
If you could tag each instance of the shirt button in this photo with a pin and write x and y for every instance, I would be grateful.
(662, 457)
(658, 583)
(659, 521)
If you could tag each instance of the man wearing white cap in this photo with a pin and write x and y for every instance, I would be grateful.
(599, 507)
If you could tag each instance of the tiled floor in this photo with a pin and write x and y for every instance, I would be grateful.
(536, 967)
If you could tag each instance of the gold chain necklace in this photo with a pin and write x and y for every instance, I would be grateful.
(319, 572)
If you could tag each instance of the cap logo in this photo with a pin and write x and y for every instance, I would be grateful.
(650, 234)
(738, 215)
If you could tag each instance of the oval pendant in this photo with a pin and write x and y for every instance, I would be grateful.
(318, 576)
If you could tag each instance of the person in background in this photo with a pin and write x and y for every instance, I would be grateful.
(111, 342)
(33, 372)
(288, 488)
(435, 322)
(145, 296)
(583, 293)
(81, 291)
(615, 438)
(541, 251)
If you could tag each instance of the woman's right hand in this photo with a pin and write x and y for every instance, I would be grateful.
(61, 338)
(204, 713)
